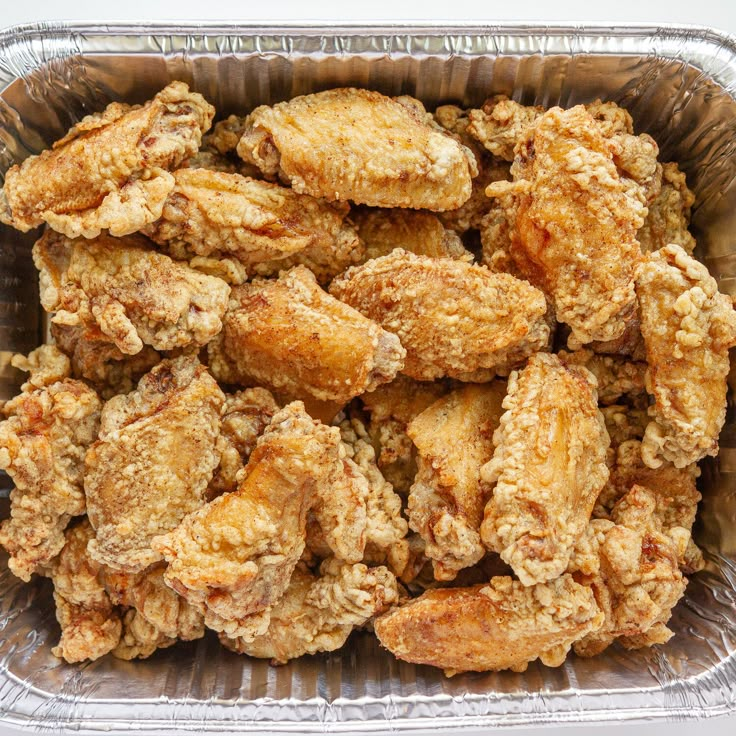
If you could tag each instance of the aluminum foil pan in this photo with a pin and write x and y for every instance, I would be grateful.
(678, 83)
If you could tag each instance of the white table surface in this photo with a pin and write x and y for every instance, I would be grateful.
(720, 14)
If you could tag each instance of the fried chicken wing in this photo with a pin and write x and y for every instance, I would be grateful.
(90, 623)
(151, 465)
(548, 467)
(233, 559)
(291, 336)
(383, 230)
(497, 626)
(615, 375)
(391, 408)
(688, 327)
(454, 438)
(317, 614)
(98, 361)
(214, 215)
(354, 144)
(575, 224)
(454, 319)
(127, 291)
(110, 173)
(632, 566)
(42, 445)
(669, 214)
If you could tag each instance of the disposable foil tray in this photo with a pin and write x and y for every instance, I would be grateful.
(679, 85)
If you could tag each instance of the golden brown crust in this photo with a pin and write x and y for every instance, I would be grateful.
(453, 318)
(111, 171)
(354, 144)
(294, 338)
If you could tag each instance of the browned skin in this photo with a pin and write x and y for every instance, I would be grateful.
(43, 440)
(497, 626)
(453, 318)
(151, 465)
(289, 335)
(353, 144)
(575, 223)
(211, 214)
(688, 328)
(129, 292)
(111, 171)
(454, 438)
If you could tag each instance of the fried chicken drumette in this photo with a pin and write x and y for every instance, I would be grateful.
(354, 144)
(291, 336)
(151, 465)
(454, 319)
(111, 171)
(129, 292)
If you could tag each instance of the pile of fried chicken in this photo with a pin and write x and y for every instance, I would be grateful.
(343, 363)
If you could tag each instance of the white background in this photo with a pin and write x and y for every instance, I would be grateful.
(717, 13)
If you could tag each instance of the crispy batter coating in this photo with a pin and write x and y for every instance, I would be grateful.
(294, 338)
(616, 376)
(497, 626)
(155, 455)
(495, 240)
(90, 624)
(386, 528)
(669, 214)
(632, 566)
(212, 214)
(234, 558)
(317, 614)
(245, 415)
(225, 134)
(454, 438)
(391, 408)
(354, 144)
(132, 294)
(383, 230)
(624, 423)
(575, 224)
(453, 318)
(688, 327)
(98, 361)
(549, 466)
(111, 172)
(42, 447)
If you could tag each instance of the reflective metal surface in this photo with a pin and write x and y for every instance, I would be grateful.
(679, 84)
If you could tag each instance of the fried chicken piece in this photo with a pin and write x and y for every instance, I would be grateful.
(383, 230)
(495, 240)
(454, 438)
(214, 215)
(669, 214)
(98, 361)
(225, 134)
(468, 216)
(688, 327)
(386, 528)
(234, 558)
(210, 160)
(151, 465)
(245, 415)
(317, 614)
(575, 224)
(110, 172)
(624, 423)
(90, 624)
(616, 376)
(497, 626)
(132, 294)
(548, 467)
(391, 408)
(291, 336)
(632, 566)
(354, 144)
(454, 319)
(159, 616)
(42, 446)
